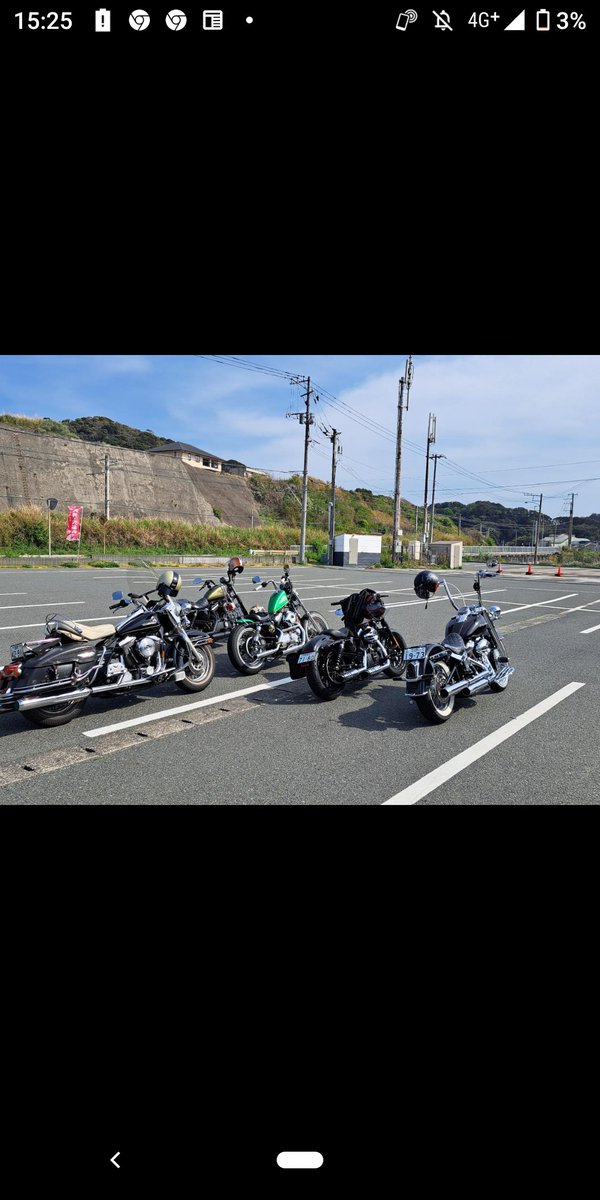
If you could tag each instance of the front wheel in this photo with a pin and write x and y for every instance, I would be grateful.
(240, 652)
(54, 714)
(321, 674)
(499, 687)
(433, 706)
(199, 671)
(395, 646)
(313, 624)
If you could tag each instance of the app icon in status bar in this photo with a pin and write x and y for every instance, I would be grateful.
(102, 20)
(176, 19)
(212, 19)
(406, 18)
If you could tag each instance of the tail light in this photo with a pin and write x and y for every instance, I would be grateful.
(11, 671)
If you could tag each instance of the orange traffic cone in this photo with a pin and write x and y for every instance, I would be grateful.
(529, 571)
(559, 572)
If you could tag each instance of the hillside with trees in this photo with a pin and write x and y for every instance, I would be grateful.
(360, 511)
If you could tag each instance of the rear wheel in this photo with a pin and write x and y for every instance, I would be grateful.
(321, 674)
(240, 654)
(395, 646)
(433, 706)
(199, 671)
(54, 714)
(314, 623)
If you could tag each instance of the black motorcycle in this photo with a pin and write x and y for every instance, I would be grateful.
(49, 681)
(220, 609)
(471, 657)
(365, 647)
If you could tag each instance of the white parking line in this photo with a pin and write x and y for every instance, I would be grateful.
(541, 604)
(48, 604)
(429, 783)
(594, 629)
(174, 712)
(13, 593)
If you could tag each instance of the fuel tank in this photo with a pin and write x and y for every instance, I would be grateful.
(467, 624)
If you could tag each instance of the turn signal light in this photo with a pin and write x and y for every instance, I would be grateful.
(12, 671)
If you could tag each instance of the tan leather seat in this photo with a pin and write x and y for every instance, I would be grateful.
(81, 633)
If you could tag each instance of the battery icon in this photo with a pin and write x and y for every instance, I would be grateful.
(542, 20)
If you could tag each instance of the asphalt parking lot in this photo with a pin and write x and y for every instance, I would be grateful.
(534, 744)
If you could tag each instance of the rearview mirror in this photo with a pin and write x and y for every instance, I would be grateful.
(256, 579)
(199, 580)
(117, 595)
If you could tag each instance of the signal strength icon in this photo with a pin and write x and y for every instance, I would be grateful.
(518, 23)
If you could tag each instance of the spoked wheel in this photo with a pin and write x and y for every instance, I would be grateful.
(395, 646)
(433, 706)
(54, 714)
(314, 624)
(240, 654)
(321, 674)
(199, 671)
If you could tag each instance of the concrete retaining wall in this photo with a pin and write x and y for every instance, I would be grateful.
(36, 466)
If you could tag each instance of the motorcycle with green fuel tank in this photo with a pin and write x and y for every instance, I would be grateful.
(269, 635)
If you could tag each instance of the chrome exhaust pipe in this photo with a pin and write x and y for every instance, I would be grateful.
(468, 686)
(280, 653)
(364, 670)
(43, 701)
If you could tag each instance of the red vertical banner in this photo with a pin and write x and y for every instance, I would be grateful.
(74, 522)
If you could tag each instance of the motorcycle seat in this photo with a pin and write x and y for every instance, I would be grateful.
(201, 604)
(81, 633)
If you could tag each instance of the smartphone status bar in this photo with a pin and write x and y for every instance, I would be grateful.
(264, 21)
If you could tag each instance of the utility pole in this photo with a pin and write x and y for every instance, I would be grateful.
(538, 530)
(430, 442)
(337, 450)
(404, 386)
(435, 463)
(107, 487)
(573, 495)
(306, 419)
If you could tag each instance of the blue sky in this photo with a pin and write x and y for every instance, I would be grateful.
(522, 424)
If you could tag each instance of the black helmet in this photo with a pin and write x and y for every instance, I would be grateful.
(235, 566)
(169, 583)
(426, 585)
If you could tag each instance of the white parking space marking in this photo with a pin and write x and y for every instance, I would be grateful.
(594, 629)
(435, 779)
(13, 593)
(174, 712)
(48, 604)
(541, 604)
(440, 599)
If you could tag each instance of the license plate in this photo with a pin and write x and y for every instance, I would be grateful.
(415, 653)
(18, 651)
(306, 658)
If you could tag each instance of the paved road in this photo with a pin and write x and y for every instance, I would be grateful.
(534, 744)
